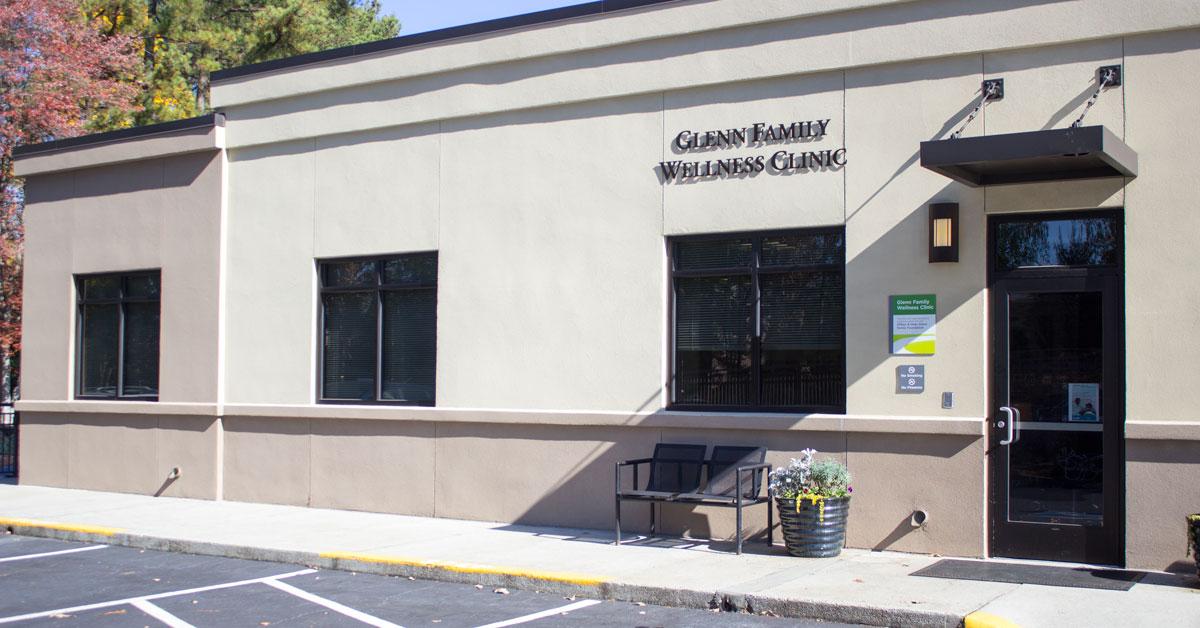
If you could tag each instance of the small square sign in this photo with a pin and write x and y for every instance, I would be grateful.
(910, 378)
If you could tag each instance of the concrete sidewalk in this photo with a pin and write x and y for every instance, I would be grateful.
(859, 586)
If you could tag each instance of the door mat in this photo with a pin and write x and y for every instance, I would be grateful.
(1016, 573)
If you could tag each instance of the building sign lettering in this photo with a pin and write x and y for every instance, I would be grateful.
(756, 135)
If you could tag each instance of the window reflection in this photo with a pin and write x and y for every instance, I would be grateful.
(1073, 242)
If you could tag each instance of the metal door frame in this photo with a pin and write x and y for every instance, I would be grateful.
(1048, 541)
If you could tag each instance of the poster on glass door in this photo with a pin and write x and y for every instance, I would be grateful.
(1083, 402)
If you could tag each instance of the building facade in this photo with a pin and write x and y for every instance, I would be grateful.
(461, 274)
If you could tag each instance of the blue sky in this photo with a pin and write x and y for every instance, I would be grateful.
(418, 16)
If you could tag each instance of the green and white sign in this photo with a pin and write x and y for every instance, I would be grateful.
(914, 323)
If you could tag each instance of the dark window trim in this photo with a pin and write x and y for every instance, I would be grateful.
(378, 287)
(81, 300)
(756, 345)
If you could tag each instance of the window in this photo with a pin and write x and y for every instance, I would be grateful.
(118, 335)
(759, 322)
(379, 329)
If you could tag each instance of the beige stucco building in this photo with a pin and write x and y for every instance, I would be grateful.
(461, 274)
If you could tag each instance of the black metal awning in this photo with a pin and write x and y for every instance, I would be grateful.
(1090, 152)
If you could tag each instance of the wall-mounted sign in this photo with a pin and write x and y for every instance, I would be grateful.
(910, 378)
(756, 135)
(914, 323)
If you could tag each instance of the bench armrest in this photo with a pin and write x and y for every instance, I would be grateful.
(755, 468)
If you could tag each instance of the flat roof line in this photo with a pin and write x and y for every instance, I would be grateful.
(444, 34)
(212, 119)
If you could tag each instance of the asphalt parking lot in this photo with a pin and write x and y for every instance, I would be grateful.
(45, 582)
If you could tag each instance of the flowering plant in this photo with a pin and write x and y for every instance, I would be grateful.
(1194, 536)
(806, 479)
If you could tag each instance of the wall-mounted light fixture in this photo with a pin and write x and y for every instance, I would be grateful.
(943, 232)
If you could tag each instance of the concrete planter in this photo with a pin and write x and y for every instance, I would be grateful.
(814, 530)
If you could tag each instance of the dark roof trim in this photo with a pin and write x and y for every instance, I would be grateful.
(454, 32)
(1090, 152)
(212, 119)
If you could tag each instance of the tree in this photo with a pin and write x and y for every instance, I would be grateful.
(58, 78)
(183, 41)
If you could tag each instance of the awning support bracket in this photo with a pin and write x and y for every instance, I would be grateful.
(992, 89)
(1106, 76)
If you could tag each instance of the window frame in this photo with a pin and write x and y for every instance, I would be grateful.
(123, 299)
(754, 271)
(379, 288)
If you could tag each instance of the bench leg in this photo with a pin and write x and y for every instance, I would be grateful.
(770, 523)
(739, 525)
(618, 500)
(652, 517)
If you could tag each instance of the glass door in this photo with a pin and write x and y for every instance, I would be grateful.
(1055, 435)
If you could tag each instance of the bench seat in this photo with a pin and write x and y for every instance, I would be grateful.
(733, 479)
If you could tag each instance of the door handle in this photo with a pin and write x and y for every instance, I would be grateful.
(1012, 413)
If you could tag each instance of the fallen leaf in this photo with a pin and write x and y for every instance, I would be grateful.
(61, 616)
(437, 621)
(264, 623)
(639, 603)
(858, 579)
(126, 573)
(570, 599)
(119, 611)
(501, 591)
(156, 579)
(411, 578)
(641, 612)
(769, 614)
(194, 602)
(915, 602)
(479, 586)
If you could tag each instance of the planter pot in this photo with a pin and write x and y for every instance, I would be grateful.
(1193, 529)
(814, 530)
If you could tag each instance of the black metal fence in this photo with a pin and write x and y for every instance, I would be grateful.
(10, 420)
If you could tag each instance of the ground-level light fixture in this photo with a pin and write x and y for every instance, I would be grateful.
(943, 232)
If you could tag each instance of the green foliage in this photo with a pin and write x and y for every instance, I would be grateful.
(806, 479)
(184, 41)
(1194, 535)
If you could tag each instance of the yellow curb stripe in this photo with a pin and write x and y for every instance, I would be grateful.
(987, 620)
(55, 525)
(539, 574)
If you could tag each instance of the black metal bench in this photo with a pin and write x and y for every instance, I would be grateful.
(734, 480)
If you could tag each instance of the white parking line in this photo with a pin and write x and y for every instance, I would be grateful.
(156, 596)
(333, 606)
(158, 613)
(58, 553)
(554, 611)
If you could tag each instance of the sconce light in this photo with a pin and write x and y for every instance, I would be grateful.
(943, 232)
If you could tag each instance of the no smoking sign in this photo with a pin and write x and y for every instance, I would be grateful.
(910, 378)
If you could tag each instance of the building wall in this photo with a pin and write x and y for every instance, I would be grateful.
(529, 160)
(159, 213)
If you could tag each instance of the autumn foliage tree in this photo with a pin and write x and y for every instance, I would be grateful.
(59, 77)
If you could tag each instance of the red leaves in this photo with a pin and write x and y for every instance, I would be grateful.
(56, 72)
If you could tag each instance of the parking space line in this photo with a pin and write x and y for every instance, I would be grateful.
(156, 596)
(554, 611)
(160, 614)
(331, 605)
(58, 553)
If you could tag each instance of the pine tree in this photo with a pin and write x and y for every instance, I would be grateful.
(183, 41)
